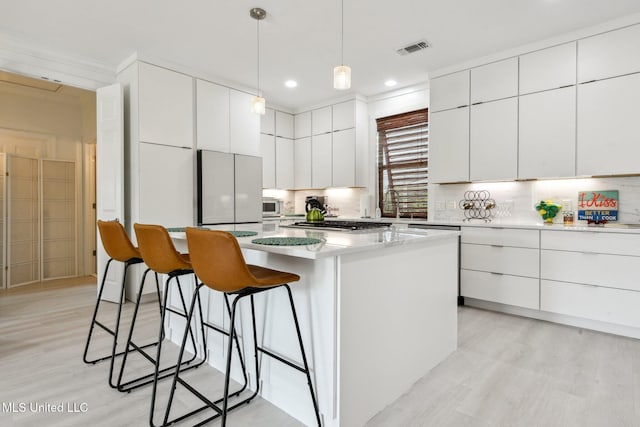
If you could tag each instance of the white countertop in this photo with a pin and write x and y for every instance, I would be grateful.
(333, 243)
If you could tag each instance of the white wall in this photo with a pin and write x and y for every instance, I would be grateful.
(52, 125)
(389, 104)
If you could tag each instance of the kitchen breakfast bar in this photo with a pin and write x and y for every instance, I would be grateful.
(377, 311)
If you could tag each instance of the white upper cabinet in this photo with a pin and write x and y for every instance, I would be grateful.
(268, 122)
(321, 153)
(449, 146)
(550, 68)
(547, 141)
(608, 138)
(610, 54)
(244, 125)
(321, 121)
(302, 125)
(284, 163)
(344, 115)
(344, 158)
(494, 140)
(165, 106)
(165, 174)
(268, 154)
(212, 120)
(494, 81)
(450, 91)
(284, 125)
(302, 163)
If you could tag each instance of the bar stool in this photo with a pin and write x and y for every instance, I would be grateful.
(119, 248)
(161, 256)
(219, 264)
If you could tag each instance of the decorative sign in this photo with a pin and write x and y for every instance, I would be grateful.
(598, 206)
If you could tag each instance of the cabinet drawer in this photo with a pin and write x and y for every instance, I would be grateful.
(616, 271)
(591, 302)
(496, 259)
(591, 241)
(500, 236)
(500, 288)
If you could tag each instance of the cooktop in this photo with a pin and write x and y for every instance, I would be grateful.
(340, 225)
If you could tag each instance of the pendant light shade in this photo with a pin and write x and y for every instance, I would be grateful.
(342, 73)
(342, 77)
(258, 103)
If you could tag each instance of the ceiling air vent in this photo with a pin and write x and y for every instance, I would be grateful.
(413, 47)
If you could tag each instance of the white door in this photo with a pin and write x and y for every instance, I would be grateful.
(110, 177)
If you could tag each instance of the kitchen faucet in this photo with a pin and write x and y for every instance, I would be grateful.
(390, 195)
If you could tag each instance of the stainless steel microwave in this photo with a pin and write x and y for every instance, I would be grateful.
(271, 207)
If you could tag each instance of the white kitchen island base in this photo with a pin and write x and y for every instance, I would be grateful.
(373, 322)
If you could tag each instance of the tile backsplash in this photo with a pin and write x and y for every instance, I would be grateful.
(515, 200)
(345, 202)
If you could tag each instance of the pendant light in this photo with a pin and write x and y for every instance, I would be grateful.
(258, 103)
(342, 73)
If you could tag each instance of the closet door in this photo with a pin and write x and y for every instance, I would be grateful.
(58, 219)
(23, 240)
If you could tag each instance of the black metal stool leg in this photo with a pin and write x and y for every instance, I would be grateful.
(95, 315)
(304, 356)
(117, 329)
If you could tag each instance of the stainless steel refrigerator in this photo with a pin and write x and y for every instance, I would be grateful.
(229, 188)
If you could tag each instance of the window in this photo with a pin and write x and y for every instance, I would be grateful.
(403, 160)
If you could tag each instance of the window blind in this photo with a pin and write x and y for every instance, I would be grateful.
(403, 164)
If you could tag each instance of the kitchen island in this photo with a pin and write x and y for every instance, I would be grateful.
(377, 311)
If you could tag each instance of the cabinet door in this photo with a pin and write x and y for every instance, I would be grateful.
(284, 125)
(268, 153)
(547, 134)
(321, 158)
(500, 288)
(591, 302)
(268, 122)
(548, 68)
(344, 115)
(344, 158)
(608, 138)
(212, 124)
(165, 106)
(494, 81)
(244, 125)
(449, 146)
(166, 198)
(494, 140)
(302, 125)
(450, 91)
(284, 163)
(611, 54)
(302, 163)
(321, 121)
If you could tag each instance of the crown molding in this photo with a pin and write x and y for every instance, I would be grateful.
(20, 57)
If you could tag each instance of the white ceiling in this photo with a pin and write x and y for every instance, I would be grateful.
(300, 39)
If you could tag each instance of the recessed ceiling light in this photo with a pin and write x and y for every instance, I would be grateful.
(291, 83)
(390, 83)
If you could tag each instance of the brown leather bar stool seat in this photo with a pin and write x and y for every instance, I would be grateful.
(219, 265)
(119, 248)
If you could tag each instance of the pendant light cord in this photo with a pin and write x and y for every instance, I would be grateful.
(258, 53)
(342, 33)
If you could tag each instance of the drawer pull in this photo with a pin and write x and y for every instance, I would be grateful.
(497, 274)
(497, 246)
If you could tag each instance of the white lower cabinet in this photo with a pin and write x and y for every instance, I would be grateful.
(500, 288)
(591, 275)
(617, 306)
(500, 265)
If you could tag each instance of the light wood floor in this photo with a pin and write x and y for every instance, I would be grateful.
(507, 371)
